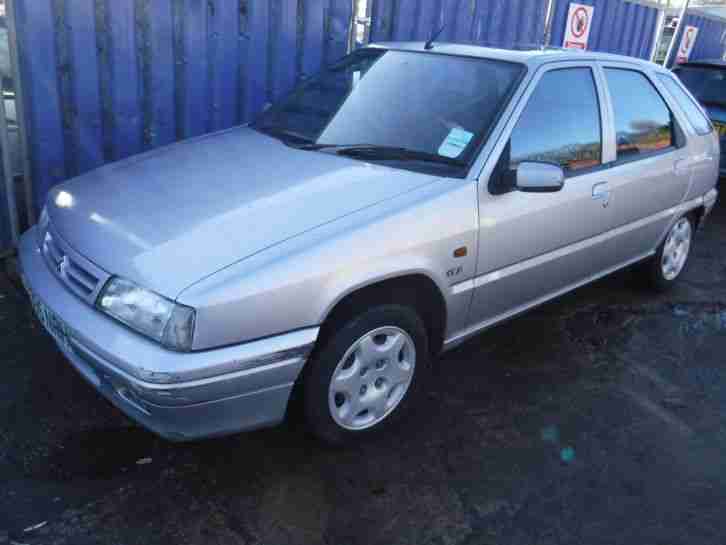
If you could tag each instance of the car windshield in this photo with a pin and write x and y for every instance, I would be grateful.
(707, 84)
(420, 108)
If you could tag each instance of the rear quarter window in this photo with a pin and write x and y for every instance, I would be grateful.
(696, 117)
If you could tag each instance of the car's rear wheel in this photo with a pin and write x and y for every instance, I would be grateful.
(367, 375)
(667, 265)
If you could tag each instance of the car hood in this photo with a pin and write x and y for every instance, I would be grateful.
(169, 217)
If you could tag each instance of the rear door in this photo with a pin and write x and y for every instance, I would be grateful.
(651, 169)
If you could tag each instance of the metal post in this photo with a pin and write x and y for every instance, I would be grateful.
(8, 174)
(549, 15)
(368, 22)
(365, 21)
(20, 109)
(659, 27)
(681, 20)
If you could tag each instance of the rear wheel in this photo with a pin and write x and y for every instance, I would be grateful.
(669, 262)
(368, 375)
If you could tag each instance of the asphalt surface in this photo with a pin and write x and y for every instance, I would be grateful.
(596, 419)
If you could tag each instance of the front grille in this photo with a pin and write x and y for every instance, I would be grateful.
(77, 273)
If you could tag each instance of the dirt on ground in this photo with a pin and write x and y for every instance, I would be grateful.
(596, 419)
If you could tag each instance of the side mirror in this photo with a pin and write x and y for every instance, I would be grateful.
(539, 177)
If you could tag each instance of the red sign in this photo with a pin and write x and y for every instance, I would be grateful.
(579, 21)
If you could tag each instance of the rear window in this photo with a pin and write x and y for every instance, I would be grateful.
(700, 122)
(643, 122)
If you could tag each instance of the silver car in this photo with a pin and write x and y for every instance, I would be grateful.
(405, 199)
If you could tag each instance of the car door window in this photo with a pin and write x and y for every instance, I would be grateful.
(561, 123)
(700, 122)
(643, 122)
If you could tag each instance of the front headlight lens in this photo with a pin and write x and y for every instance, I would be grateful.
(148, 313)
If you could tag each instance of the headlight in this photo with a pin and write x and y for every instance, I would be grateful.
(43, 221)
(155, 316)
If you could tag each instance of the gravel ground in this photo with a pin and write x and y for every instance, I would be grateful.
(598, 418)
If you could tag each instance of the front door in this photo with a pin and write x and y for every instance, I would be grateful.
(535, 245)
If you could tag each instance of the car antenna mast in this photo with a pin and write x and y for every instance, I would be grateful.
(430, 43)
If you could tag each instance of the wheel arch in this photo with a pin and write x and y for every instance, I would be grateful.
(415, 289)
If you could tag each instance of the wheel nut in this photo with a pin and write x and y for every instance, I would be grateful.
(363, 390)
(363, 371)
(379, 382)
(380, 364)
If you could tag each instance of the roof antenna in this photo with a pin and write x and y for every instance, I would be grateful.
(430, 43)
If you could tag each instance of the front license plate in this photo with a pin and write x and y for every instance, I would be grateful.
(51, 322)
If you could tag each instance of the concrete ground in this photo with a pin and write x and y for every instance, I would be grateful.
(599, 418)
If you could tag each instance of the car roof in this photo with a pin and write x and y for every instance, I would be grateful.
(525, 54)
(713, 63)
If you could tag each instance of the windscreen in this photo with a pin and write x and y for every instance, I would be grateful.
(431, 103)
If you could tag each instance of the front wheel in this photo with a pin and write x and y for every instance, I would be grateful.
(666, 266)
(367, 375)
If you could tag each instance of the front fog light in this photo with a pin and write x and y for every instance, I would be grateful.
(155, 316)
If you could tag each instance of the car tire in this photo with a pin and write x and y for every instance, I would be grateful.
(367, 376)
(664, 269)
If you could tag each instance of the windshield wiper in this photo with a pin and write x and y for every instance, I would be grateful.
(392, 153)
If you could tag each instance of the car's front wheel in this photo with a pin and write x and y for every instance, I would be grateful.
(367, 375)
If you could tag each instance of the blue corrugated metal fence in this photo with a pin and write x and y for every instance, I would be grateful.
(618, 26)
(709, 42)
(104, 79)
(501, 23)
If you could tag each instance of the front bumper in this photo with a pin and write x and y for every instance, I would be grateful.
(180, 396)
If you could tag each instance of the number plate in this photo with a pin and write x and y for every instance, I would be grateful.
(51, 322)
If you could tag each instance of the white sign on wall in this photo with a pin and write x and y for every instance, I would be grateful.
(579, 21)
(689, 38)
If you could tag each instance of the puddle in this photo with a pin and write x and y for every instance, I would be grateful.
(700, 320)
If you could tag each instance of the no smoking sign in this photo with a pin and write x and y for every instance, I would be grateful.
(579, 21)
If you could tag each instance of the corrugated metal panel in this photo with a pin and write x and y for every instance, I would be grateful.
(709, 42)
(104, 79)
(618, 26)
(501, 23)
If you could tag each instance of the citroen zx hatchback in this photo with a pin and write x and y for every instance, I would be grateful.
(400, 202)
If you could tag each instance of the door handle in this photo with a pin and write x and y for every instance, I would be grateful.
(601, 192)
